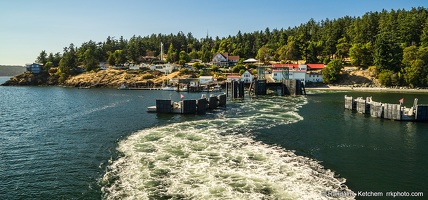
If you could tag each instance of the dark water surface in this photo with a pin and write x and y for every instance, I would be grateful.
(372, 154)
(57, 142)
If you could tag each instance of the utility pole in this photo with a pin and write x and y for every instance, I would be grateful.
(161, 53)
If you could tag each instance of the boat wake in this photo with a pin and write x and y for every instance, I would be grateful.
(216, 159)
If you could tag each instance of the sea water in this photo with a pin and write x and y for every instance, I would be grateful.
(217, 158)
(101, 143)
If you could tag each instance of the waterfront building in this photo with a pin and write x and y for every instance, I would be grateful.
(34, 68)
(305, 73)
(247, 77)
(224, 60)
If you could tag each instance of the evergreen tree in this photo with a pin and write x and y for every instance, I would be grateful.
(332, 71)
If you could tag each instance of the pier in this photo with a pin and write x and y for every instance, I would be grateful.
(190, 106)
(397, 112)
(262, 86)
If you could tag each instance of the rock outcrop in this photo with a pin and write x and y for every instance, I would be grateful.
(29, 79)
(112, 78)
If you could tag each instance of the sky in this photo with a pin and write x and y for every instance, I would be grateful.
(29, 26)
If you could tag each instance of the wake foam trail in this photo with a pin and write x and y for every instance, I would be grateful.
(214, 159)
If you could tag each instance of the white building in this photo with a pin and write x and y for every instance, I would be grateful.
(304, 73)
(314, 77)
(223, 59)
(165, 68)
(247, 77)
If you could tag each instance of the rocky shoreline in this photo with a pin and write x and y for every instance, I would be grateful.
(28, 79)
(112, 78)
(109, 78)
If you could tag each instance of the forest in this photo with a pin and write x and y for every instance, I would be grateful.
(394, 43)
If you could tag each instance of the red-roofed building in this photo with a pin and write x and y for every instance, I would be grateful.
(305, 73)
(233, 78)
(290, 66)
(224, 60)
(246, 77)
(315, 66)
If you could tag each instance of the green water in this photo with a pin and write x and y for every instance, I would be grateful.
(58, 143)
(372, 154)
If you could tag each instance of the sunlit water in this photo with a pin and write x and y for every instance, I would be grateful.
(216, 158)
(66, 143)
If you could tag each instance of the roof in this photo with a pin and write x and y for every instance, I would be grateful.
(226, 56)
(233, 57)
(250, 60)
(315, 66)
(285, 65)
(205, 77)
(295, 71)
(222, 54)
(233, 76)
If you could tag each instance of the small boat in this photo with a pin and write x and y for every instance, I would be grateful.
(169, 88)
(184, 89)
(123, 87)
(216, 88)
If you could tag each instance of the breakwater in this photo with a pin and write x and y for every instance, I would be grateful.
(398, 112)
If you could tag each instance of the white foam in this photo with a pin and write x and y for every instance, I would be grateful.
(215, 159)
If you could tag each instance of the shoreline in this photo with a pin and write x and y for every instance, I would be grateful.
(367, 89)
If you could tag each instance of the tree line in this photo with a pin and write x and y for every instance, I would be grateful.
(394, 43)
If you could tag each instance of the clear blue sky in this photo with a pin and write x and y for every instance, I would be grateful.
(29, 26)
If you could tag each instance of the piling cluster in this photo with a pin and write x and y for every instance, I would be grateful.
(189, 106)
(396, 112)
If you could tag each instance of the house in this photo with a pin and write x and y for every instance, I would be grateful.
(165, 68)
(104, 65)
(34, 68)
(205, 80)
(247, 77)
(224, 60)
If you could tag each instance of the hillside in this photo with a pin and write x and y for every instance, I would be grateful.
(112, 78)
(358, 78)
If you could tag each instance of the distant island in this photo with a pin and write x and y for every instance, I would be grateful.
(9, 70)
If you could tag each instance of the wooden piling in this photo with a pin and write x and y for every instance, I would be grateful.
(213, 102)
(260, 87)
(221, 100)
(376, 109)
(202, 106)
(349, 103)
(188, 106)
(362, 105)
(163, 106)
(392, 111)
(421, 112)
